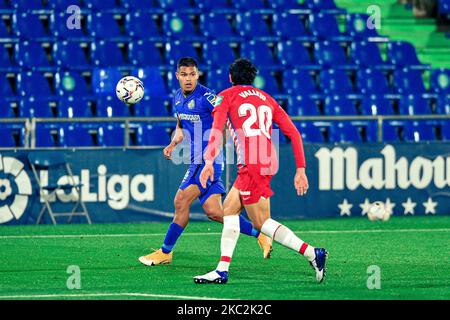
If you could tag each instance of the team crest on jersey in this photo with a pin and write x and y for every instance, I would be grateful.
(191, 104)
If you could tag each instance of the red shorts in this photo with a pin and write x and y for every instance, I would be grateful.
(252, 185)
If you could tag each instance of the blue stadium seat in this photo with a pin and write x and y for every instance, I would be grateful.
(371, 81)
(152, 107)
(109, 54)
(293, 6)
(300, 82)
(79, 135)
(7, 64)
(35, 84)
(409, 82)
(443, 105)
(71, 83)
(254, 26)
(332, 55)
(34, 108)
(265, 80)
(302, 106)
(445, 130)
(260, 54)
(339, 106)
(104, 6)
(216, 6)
(414, 105)
(218, 53)
(367, 55)
(336, 82)
(345, 132)
(74, 107)
(58, 25)
(325, 27)
(47, 135)
(179, 49)
(376, 105)
(32, 55)
(111, 106)
(6, 90)
(61, 5)
(293, 54)
(142, 6)
(73, 55)
(112, 135)
(217, 26)
(418, 131)
(181, 27)
(311, 131)
(142, 26)
(172, 82)
(182, 6)
(145, 53)
(403, 54)
(104, 81)
(9, 34)
(291, 27)
(440, 81)
(5, 109)
(7, 140)
(393, 130)
(357, 28)
(29, 5)
(326, 6)
(105, 26)
(218, 79)
(153, 77)
(253, 6)
(31, 26)
(154, 134)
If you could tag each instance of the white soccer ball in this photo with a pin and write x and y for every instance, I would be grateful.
(130, 90)
(377, 211)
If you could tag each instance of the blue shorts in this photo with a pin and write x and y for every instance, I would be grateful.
(192, 176)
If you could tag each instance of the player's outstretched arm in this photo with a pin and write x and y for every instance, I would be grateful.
(177, 139)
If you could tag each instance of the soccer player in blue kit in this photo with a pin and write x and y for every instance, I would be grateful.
(194, 104)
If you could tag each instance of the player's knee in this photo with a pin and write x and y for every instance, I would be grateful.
(214, 214)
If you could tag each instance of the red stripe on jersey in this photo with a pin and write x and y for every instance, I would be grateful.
(303, 248)
(225, 259)
(237, 143)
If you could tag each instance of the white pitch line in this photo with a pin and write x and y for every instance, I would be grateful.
(81, 295)
(56, 236)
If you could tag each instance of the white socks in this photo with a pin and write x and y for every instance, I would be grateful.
(230, 236)
(284, 236)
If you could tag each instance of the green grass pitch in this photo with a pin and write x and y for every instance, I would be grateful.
(412, 253)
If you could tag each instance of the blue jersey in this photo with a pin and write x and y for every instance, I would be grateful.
(194, 113)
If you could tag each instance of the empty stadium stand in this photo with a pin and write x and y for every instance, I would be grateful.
(318, 57)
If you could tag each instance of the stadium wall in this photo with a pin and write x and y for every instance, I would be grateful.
(132, 185)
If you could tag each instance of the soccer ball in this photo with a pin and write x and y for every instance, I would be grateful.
(377, 211)
(130, 90)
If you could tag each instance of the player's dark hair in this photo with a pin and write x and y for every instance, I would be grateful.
(187, 62)
(243, 72)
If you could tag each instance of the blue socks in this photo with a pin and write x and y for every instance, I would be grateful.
(175, 231)
(247, 227)
(172, 235)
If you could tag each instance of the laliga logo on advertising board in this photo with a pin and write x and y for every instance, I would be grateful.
(339, 169)
(114, 189)
(15, 189)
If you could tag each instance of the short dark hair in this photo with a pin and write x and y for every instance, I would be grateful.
(243, 72)
(187, 62)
